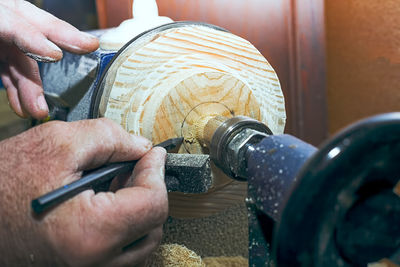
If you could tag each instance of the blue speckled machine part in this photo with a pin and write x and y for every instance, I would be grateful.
(70, 83)
(273, 165)
(272, 168)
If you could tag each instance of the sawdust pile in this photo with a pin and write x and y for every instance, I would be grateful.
(174, 255)
(202, 241)
(222, 234)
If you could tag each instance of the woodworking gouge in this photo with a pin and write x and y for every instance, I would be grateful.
(184, 172)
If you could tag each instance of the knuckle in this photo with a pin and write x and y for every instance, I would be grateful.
(108, 128)
(113, 134)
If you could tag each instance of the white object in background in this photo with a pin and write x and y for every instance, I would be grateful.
(145, 17)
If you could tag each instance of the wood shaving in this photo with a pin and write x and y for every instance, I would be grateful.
(174, 255)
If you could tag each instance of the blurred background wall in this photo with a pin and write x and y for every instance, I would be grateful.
(80, 13)
(363, 59)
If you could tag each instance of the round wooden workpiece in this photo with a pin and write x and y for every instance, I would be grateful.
(201, 95)
(169, 81)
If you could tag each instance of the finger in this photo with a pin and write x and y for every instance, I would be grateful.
(139, 251)
(12, 93)
(132, 212)
(60, 32)
(27, 37)
(96, 142)
(24, 73)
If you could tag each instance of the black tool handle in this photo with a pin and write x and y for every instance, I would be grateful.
(87, 181)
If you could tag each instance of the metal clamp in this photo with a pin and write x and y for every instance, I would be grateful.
(226, 155)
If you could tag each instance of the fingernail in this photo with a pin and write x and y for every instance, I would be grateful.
(41, 58)
(142, 141)
(53, 46)
(41, 102)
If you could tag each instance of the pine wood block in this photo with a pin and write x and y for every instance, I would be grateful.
(165, 85)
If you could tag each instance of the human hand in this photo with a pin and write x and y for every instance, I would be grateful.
(118, 228)
(28, 33)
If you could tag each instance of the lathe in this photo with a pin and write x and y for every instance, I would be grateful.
(336, 206)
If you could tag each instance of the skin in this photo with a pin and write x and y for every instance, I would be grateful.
(29, 34)
(119, 228)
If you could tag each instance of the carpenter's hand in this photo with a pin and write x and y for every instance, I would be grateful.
(28, 33)
(103, 229)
